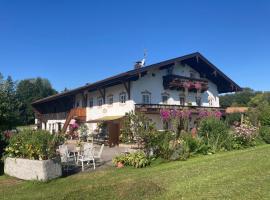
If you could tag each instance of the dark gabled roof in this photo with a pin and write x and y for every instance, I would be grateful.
(194, 60)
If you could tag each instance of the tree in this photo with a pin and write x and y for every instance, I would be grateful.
(237, 99)
(9, 104)
(30, 90)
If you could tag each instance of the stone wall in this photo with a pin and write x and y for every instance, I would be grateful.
(26, 169)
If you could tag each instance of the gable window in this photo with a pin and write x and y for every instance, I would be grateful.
(110, 99)
(146, 97)
(91, 102)
(182, 99)
(100, 101)
(165, 98)
(122, 97)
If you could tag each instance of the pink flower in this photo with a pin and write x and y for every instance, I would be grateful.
(165, 115)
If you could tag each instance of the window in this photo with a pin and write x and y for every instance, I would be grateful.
(100, 101)
(146, 97)
(110, 99)
(198, 101)
(182, 99)
(122, 97)
(211, 100)
(91, 102)
(192, 74)
(165, 97)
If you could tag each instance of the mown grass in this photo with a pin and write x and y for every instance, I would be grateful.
(241, 174)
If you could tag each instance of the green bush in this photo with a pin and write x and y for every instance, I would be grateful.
(35, 145)
(3, 144)
(215, 134)
(265, 133)
(264, 116)
(137, 159)
(231, 118)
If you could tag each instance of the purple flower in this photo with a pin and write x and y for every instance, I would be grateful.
(165, 115)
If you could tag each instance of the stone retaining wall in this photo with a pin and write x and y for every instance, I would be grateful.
(26, 169)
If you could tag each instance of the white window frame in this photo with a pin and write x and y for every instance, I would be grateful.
(100, 99)
(165, 94)
(144, 95)
(110, 99)
(123, 97)
(91, 102)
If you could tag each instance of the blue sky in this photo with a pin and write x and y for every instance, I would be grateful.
(75, 42)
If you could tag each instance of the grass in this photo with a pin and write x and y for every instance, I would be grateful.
(241, 174)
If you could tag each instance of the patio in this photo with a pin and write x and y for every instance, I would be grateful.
(105, 160)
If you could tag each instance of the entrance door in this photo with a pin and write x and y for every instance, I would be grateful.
(114, 131)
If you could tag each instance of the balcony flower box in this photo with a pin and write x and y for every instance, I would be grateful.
(26, 169)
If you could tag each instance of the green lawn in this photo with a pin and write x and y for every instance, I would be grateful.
(241, 174)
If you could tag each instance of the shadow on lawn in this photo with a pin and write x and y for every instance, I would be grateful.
(1, 168)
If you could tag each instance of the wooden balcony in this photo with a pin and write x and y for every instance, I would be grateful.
(156, 108)
(176, 82)
(53, 116)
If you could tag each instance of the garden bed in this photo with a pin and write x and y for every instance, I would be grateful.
(41, 170)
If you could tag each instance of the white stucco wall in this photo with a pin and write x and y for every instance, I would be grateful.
(153, 82)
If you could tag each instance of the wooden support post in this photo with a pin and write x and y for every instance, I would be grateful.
(127, 87)
(102, 92)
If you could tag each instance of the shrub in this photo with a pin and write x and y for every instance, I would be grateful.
(215, 134)
(232, 118)
(36, 145)
(137, 159)
(265, 133)
(264, 116)
(3, 144)
(245, 135)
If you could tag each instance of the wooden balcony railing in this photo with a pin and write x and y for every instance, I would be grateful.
(181, 82)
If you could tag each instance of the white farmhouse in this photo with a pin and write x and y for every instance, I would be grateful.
(187, 82)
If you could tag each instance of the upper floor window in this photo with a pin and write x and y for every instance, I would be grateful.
(192, 74)
(78, 104)
(122, 97)
(165, 97)
(146, 97)
(110, 99)
(182, 99)
(211, 100)
(198, 101)
(100, 101)
(91, 102)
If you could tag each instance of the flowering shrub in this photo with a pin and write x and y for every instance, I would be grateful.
(206, 114)
(245, 134)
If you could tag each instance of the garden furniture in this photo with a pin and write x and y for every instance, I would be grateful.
(87, 156)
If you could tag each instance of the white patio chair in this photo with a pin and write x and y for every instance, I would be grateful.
(87, 145)
(66, 159)
(87, 156)
(98, 155)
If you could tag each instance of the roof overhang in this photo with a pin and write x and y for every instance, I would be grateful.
(194, 60)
